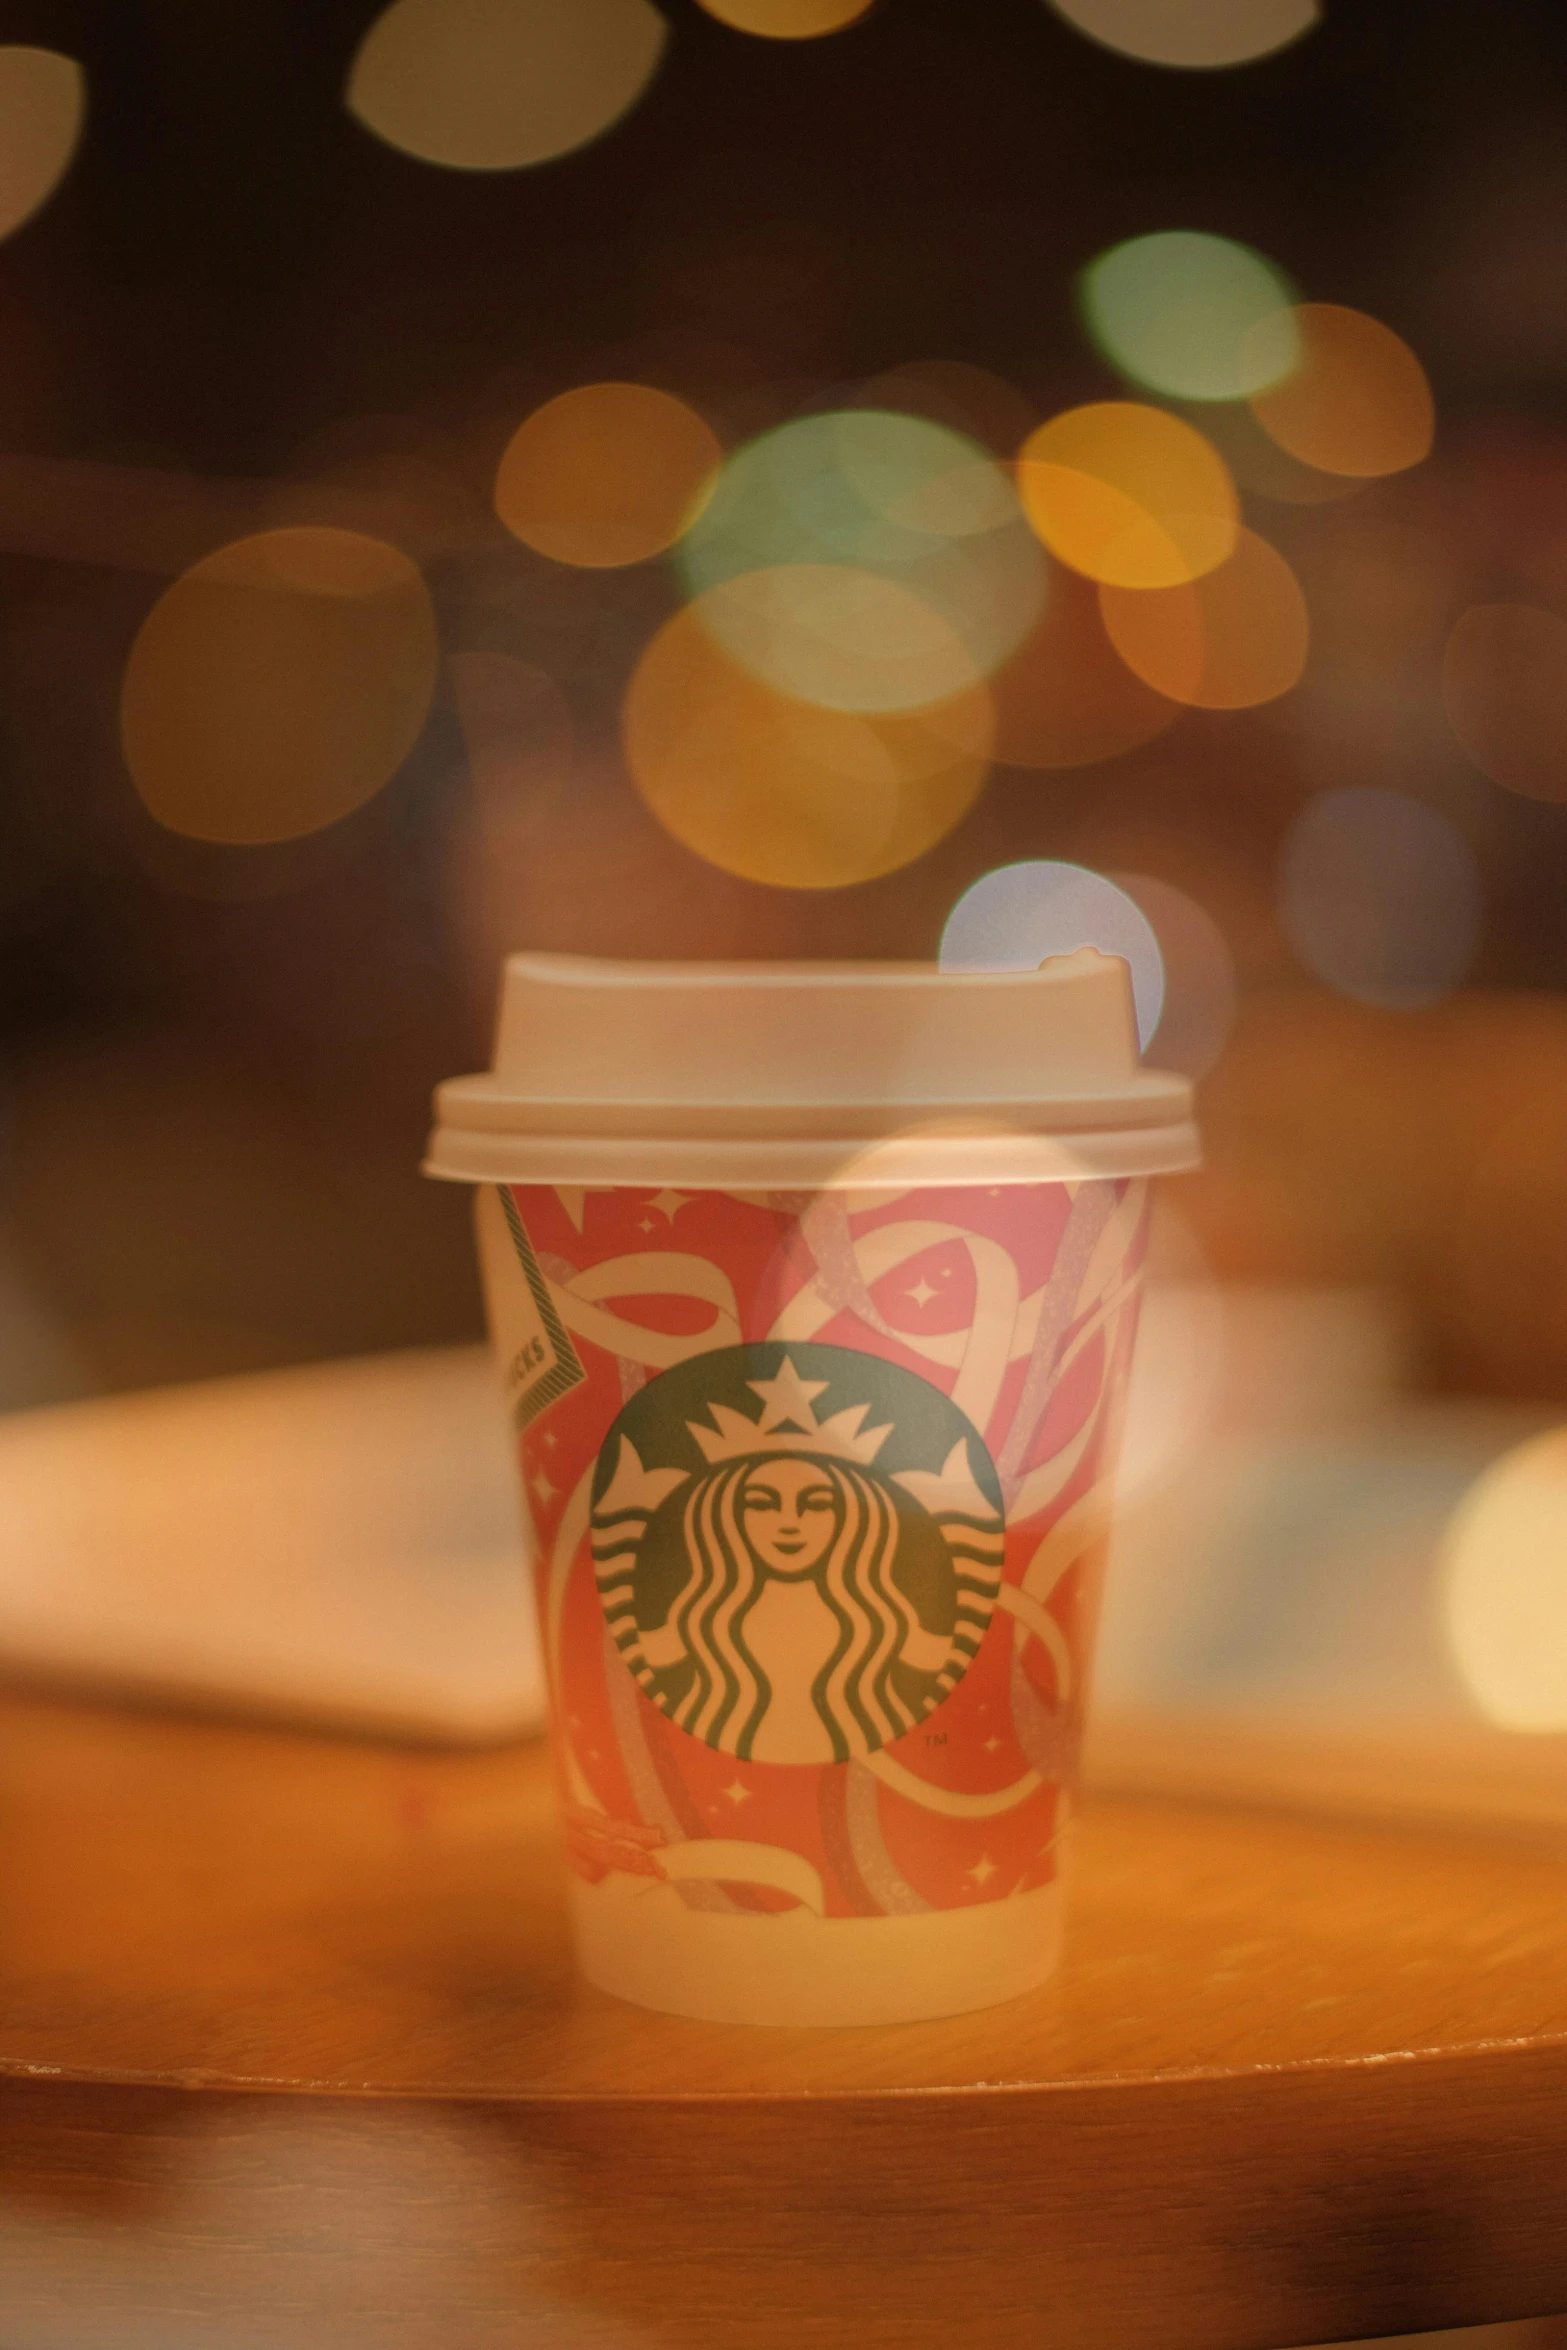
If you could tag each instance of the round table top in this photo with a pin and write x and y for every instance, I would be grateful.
(1298, 2078)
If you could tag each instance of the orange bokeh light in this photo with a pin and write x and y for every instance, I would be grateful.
(1504, 680)
(1357, 404)
(1128, 495)
(607, 474)
(786, 792)
(278, 684)
(1236, 637)
(1066, 698)
(787, 20)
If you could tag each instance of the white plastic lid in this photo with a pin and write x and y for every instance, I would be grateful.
(777, 1076)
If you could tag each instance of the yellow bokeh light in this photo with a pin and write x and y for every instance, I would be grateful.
(1358, 403)
(1504, 681)
(1504, 1595)
(1128, 495)
(606, 474)
(491, 85)
(43, 103)
(1236, 637)
(278, 684)
(787, 20)
(1066, 698)
(781, 791)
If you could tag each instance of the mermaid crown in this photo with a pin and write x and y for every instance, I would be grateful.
(789, 1424)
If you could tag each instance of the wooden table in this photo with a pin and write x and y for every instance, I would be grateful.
(292, 2053)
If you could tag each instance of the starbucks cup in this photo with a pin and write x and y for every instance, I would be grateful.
(813, 1289)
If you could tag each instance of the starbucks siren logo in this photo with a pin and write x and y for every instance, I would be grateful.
(798, 1548)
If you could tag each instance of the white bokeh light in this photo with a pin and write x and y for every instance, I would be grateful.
(1504, 1589)
(1014, 918)
(1196, 34)
(492, 85)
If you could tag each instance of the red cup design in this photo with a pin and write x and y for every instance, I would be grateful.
(820, 1487)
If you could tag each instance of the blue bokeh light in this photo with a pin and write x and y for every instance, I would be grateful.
(1012, 919)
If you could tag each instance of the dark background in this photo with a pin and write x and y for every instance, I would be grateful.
(216, 1064)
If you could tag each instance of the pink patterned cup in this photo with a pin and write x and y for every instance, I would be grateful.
(819, 1468)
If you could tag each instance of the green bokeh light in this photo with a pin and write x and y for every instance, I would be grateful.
(1193, 316)
(926, 518)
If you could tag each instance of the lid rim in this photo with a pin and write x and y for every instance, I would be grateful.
(484, 1104)
(898, 1160)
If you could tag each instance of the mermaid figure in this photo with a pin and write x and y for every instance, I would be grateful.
(810, 1608)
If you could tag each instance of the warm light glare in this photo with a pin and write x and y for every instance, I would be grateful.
(278, 685)
(1380, 896)
(787, 20)
(1228, 641)
(1066, 698)
(1358, 403)
(1128, 495)
(1504, 680)
(606, 474)
(43, 103)
(1504, 1598)
(1192, 316)
(1017, 916)
(1192, 33)
(489, 85)
(842, 555)
(780, 791)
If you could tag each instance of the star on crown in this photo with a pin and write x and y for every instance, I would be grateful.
(788, 1423)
